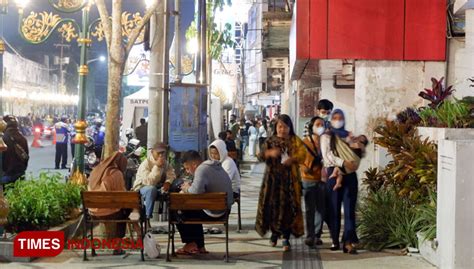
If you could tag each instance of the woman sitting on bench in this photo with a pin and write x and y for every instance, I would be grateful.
(109, 175)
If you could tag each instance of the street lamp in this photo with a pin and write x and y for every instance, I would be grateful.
(101, 59)
(36, 28)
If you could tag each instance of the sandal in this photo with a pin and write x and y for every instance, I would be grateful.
(215, 230)
(188, 249)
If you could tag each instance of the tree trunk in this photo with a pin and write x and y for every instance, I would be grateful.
(116, 65)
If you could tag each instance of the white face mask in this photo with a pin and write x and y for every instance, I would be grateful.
(318, 130)
(325, 117)
(337, 124)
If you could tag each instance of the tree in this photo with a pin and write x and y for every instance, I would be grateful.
(121, 34)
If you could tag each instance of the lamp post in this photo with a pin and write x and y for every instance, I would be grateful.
(36, 28)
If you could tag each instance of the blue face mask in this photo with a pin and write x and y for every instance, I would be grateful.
(318, 130)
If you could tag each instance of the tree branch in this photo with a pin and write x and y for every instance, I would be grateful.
(104, 18)
(136, 32)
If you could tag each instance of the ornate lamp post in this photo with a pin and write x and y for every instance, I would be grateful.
(36, 28)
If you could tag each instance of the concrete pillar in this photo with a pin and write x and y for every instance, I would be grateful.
(382, 90)
(464, 60)
(455, 231)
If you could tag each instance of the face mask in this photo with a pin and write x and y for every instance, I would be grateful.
(318, 130)
(337, 124)
(325, 117)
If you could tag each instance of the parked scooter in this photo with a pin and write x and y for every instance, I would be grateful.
(134, 154)
(90, 158)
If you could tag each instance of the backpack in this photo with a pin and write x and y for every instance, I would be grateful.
(151, 247)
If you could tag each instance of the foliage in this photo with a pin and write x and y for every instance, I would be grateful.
(387, 221)
(426, 217)
(218, 39)
(374, 179)
(412, 172)
(450, 114)
(437, 94)
(409, 116)
(39, 203)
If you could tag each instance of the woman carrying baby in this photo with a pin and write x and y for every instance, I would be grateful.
(334, 146)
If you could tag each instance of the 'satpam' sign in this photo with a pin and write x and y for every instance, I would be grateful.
(138, 102)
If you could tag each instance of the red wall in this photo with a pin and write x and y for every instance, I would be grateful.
(371, 29)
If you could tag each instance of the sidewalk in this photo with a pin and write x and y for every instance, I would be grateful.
(247, 248)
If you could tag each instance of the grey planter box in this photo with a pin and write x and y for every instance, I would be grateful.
(428, 249)
(6, 245)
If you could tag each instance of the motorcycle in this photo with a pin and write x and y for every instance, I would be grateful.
(134, 154)
(90, 158)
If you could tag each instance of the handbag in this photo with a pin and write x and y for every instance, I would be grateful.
(19, 151)
(151, 247)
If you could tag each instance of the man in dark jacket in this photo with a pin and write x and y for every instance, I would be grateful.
(141, 132)
(15, 159)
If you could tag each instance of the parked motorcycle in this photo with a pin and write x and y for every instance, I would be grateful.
(134, 154)
(90, 158)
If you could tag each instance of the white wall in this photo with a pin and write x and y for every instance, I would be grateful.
(464, 60)
(384, 88)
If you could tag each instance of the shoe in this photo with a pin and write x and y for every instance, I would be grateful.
(334, 247)
(309, 242)
(273, 240)
(286, 245)
(349, 248)
(319, 242)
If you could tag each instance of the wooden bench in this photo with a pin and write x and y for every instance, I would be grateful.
(113, 199)
(188, 202)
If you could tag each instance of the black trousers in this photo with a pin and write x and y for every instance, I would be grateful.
(192, 232)
(73, 149)
(61, 155)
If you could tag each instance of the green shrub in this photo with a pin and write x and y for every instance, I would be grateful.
(387, 221)
(426, 217)
(39, 203)
(450, 114)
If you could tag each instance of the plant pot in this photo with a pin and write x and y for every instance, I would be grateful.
(428, 249)
(437, 134)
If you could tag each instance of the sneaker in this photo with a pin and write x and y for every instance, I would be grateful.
(286, 245)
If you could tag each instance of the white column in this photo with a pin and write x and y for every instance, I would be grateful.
(455, 229)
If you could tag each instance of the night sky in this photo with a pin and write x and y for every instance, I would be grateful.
(37, 52)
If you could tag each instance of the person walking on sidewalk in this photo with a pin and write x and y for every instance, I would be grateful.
(253, 135)
(314, 190)
(347, 194)
(279, 204)
(62, 141)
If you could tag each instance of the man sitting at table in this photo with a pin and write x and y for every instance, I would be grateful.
(209, 177)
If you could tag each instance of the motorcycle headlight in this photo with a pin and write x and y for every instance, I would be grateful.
(91, 158)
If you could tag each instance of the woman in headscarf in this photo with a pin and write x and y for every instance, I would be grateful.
(347, 194)
(15, 158)
(109, 175)
(279, 205)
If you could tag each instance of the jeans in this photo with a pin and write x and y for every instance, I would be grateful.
(149, 194)
(11, 179)
(192, 232)
(314, 194)
(346, 195)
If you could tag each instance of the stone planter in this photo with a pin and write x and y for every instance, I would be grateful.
(428, 249)
(6, 245)
(437, 134)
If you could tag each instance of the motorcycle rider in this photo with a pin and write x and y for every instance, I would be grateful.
(62, 139)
